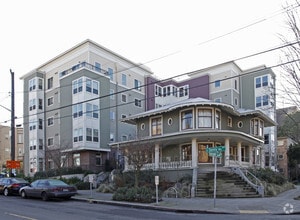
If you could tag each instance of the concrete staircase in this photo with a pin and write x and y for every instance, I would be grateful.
(229, 185)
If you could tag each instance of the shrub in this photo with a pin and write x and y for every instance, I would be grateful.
(83, 185)
(134, 194)
(269, 176)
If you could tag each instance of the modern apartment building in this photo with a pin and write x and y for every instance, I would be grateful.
(73, 105)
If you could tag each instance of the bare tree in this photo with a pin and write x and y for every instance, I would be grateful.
(291, 56)
(137, 155)
(59, 155)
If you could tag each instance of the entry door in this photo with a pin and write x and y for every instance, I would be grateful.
(202, 154)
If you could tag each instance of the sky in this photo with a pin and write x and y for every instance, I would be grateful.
(171, 37)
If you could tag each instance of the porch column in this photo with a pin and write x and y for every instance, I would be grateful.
(156, 157)
(194, 153)
(251, 155)
(227, 153)
(262, 157)
(239, 152)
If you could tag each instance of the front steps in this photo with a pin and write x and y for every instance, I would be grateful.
(229, 185)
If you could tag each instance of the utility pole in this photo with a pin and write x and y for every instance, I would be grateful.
(12, 140)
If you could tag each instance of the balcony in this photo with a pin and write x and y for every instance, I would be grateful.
(80, 66)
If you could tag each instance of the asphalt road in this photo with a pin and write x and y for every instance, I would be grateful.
(16, 208)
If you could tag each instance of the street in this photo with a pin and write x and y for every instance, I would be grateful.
(14, 208)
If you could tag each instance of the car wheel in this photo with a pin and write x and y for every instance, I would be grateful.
(23, 194)
(45, 196)
(5, 192)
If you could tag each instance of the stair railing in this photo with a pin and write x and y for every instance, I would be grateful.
(258, 186)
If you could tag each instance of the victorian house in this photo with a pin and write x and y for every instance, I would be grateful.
(180, 134)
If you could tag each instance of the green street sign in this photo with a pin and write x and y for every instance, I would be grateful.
(215, 149)
(217, 154)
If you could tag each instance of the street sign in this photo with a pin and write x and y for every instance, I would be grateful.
(215, 151)
(13, 164)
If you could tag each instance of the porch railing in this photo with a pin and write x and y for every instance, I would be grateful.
(165, 165)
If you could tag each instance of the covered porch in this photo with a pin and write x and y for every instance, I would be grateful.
(188, 151)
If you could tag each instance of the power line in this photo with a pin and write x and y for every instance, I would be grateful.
(127, 103)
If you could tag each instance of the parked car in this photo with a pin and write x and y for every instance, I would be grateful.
(12, 185)
(47, 189)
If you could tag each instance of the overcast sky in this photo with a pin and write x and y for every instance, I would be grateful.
(169, 36)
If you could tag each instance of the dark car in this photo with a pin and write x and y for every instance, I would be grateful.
(47, 189)
(12, 185)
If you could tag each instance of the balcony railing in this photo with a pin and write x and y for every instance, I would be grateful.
(82, 65)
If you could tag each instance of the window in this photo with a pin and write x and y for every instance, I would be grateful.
(217, 83)
(95, 135)
(50, 121)
(50, 83)
(98, 160)
(112, 115)
(266, 139)
(41, 104)
(258, 101)
(112, 95)
(265, 100)
(204, 118)
(158, 90)
(95, 111)
(88, 85)
(156, 126)
(77, 86)
(32, 125)
(265, 80)
(88, 134)
(218, 120)
(40, 123)
(235, 101)
(32, 84)
(95, 87)
(50, 141)
(89, 110)
(124, 98)
(111, 137)
(257, 126)
(186, 152)
(50, 101)
(138, 102)
(41, 144)
(124, 79)
(75, 135)
(111, 74)
(184, 91)
(235, 84)
(32, 104)
(77, 110)
(229, 122)
(137, 85)
(187, 119)
(76, 159)
(97, 67)
(258, 82)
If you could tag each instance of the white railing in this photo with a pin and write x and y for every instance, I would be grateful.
(164, 165)
(258, 186)
(175, 164)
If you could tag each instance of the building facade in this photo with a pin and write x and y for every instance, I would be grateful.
(73, 105)
(180, 134)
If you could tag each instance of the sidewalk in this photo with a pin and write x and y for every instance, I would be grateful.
(281, 204)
